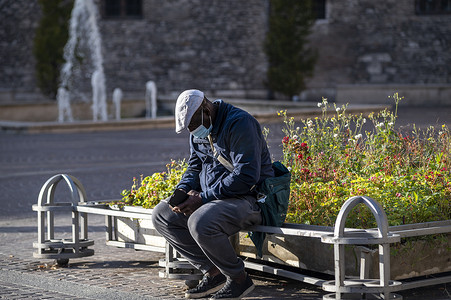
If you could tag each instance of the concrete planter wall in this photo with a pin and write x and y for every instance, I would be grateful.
(139, 231)
(410, 259)
(407, 260)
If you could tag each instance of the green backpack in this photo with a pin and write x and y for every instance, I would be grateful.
(276, 192)
(275, 206)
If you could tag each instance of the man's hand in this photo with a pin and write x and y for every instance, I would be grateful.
(190, 205)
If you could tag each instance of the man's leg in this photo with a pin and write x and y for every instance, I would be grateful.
(210, 227)
(213, 223)
(173, 227)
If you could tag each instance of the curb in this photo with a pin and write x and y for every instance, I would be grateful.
(165, 122)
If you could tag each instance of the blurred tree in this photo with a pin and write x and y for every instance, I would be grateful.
(290, 60)
(48, 49)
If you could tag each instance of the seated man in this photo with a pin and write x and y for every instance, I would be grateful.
(229, 156)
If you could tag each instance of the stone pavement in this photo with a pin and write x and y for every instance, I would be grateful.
(112, 273)
(106, 162)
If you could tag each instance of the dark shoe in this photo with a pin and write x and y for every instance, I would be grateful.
(232, 290)
(207, 286)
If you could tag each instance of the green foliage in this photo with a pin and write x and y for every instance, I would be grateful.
(152, 189)
(332, 159)
(290, 60)
(48, 48)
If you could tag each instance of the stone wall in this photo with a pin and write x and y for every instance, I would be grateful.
(18, 21)
(180, 44)
(365, 42)
(216, 45)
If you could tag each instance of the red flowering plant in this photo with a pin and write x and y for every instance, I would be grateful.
(339, 155)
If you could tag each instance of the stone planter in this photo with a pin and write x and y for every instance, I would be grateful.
(407, 260)
(411, 258)
(138, 231)
(420, 257)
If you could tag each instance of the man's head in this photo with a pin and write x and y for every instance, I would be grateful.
(187, 104)
(194, 112)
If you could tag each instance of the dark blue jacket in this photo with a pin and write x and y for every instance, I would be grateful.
(237, 136)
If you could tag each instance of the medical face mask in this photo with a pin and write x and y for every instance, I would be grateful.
(201, 131)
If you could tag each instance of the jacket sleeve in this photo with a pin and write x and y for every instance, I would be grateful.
(190, 179)
(245, 145)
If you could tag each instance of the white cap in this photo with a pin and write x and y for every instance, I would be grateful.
(187, 104)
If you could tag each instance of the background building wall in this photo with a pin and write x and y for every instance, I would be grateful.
(18, 22)
(211, 45)
(367, 50)
(382, 45)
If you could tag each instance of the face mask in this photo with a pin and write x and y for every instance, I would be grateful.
(202, 132)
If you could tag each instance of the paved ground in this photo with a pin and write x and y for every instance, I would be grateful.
(105, 162)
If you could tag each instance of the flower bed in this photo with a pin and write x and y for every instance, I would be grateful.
(150, 190)
(335, 157)
(339, 155)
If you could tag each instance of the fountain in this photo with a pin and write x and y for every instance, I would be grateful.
(117, 97)
(99, 108)
(151, 100)
(84, 48)
(64, 109)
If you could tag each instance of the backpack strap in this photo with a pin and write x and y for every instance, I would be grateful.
(228, 165)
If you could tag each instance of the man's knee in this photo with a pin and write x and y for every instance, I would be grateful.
(157, 215)
(201, 226)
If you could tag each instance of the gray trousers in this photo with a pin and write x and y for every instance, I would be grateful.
(203, 237)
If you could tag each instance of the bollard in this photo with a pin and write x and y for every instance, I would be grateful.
(61, 249)
(361, 288)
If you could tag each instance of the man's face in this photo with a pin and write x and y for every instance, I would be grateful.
(196, 120)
